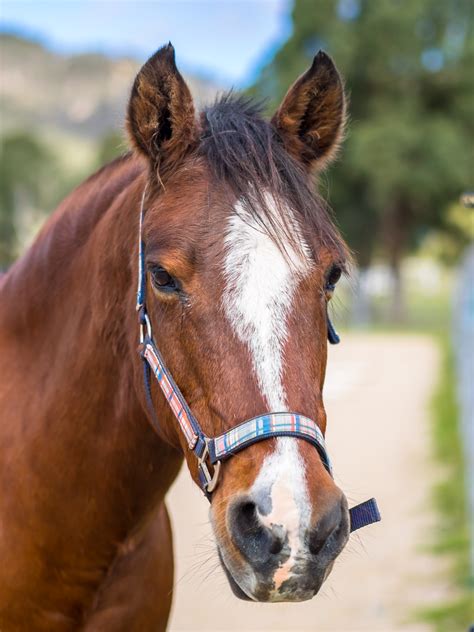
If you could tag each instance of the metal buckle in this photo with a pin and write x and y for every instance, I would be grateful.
(211, 481)
(148, 329)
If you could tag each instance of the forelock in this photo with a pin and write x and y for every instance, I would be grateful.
(245, 151)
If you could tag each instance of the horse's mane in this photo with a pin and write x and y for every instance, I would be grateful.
(245, 151)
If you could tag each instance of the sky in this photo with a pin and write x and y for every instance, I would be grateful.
(228, 40)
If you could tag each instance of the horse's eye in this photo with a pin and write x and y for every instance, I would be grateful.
(162, 280)
(333, 277)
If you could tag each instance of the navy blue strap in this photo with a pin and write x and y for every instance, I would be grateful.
(141, 286)
(364, 514)
(333, 336)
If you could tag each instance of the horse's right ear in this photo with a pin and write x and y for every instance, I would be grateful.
(161, 120)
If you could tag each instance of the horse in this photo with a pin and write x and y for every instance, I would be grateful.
(239, 258)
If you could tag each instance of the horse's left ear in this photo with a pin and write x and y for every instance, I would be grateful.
(312, 116)
(161, 119)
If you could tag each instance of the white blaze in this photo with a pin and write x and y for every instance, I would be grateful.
(261, 283)
(283, 475)
(260, 286)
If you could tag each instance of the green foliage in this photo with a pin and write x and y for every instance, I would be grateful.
(27, 180)
(35, 174)
(408, 74)
(459, 230)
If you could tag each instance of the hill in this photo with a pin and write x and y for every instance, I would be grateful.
(80, 95)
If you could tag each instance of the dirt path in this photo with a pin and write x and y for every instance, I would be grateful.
(377, 394)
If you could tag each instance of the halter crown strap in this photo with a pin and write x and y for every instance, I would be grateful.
(141, 285)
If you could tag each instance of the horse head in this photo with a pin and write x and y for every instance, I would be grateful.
(241, 259)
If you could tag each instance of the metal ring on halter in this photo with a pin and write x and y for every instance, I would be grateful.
(148, 328)
(210, 481)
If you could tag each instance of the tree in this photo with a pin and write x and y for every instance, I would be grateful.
(407, 66)
(27, 179)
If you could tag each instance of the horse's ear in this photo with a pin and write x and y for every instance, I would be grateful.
(312, 116)
(161, 120)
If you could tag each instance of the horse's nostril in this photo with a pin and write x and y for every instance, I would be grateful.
(331, 525)
(276, 545)
(246, 518)
(255, 541)
(316, 541)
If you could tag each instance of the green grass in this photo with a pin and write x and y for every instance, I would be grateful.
(451, 538)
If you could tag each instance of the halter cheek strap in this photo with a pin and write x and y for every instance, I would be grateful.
(211, 452)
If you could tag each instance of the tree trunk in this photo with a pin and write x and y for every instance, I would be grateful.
(397, 311)
(361, 312)
(396, 230)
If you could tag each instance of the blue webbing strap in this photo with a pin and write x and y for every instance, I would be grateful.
(141, 285)
(364, 514)
(333, 336)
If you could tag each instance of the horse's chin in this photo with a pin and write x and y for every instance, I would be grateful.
(236, 589)
(266, 594)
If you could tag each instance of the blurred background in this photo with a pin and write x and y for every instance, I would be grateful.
(401, 193)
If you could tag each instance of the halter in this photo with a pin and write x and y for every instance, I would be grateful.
(212, 452)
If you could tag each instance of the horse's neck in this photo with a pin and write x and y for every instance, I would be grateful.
(70, 314)
(68, 296)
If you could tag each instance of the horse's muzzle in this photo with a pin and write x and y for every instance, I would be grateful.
(275, 563)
